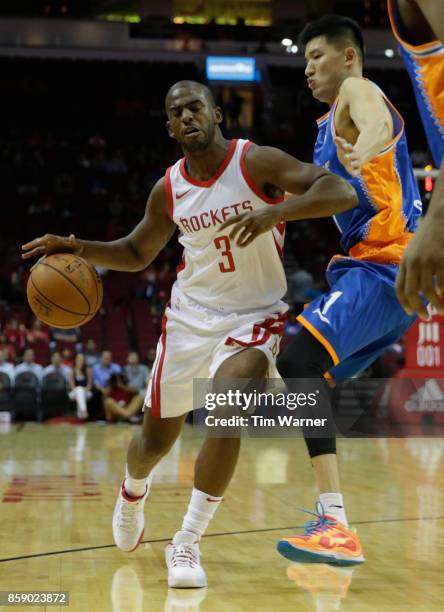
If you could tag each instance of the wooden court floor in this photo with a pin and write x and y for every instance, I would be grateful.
(58, 486)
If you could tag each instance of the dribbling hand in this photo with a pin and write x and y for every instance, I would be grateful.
(49, 244)
(421, 272)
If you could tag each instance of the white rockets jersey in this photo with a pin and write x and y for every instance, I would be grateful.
(215, 272)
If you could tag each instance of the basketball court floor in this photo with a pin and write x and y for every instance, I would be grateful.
(58, 485)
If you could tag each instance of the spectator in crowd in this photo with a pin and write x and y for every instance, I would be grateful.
(91, 353)
(37, 332)
(120, 400)
(57, 367)
(137, 374)
(7, 346)
(15, 333)
(5, 366)
(65, 336)
(29, 365)
(80, 385)
(103, 370)
(150, 357)
(67, 357)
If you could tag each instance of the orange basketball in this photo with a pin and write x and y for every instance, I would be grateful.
(64, 291)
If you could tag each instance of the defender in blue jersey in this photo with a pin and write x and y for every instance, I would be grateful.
(361, 139)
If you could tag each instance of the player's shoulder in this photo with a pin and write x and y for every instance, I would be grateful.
(263, 155)
(354, 84)
(159, 186)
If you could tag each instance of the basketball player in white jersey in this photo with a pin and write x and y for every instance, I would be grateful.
(225, 317)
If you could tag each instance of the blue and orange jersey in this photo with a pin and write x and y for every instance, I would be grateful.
(425, 65)
(380, 227)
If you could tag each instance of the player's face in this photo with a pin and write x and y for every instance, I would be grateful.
(191, 119)
(325, 69)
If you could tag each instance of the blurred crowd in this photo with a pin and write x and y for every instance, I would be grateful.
(96, 387)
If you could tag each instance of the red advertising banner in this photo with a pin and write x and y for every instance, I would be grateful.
(424, 345)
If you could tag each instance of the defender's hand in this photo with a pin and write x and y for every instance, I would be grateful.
(348, 156)
(422, 270)
(249, 226)
(49, 244)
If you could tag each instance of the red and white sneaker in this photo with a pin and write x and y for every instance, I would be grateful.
(129, 520)
(182, 558)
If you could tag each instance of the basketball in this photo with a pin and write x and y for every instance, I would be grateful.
(64, 291)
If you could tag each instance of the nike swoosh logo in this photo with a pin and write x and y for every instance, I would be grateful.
(181, 195)
(213, 500)
(334, 506)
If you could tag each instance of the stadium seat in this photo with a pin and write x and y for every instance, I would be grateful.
(5, 392)
(54, 396)
(26, 397)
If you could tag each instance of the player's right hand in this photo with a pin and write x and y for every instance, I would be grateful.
(421, 271)
(49, 244)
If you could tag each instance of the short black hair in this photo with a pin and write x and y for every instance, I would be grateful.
(336, 29)
(192, 84)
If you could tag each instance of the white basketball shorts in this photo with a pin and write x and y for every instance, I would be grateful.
(195, 341)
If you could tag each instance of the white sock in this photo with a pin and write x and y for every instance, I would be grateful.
(136, 487)
(334, 506)
(200, 511)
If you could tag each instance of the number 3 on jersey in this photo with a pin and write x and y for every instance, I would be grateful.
(223, 243)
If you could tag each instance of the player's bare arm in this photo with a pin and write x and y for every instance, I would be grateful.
(315, 193)
(128, 254)
(421, 270)
(364, 124)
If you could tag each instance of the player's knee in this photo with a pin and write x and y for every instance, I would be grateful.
(320, 446)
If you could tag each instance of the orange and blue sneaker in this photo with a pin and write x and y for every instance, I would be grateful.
(325, 540)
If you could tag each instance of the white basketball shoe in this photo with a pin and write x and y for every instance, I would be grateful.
(182, 558)
(129, 520)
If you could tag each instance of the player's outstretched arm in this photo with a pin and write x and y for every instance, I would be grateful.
(316, 193)
(129, 254)
(369, 113)
(422, 265)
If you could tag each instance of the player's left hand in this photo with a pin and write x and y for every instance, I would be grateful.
(248, 226)
(421, 271)
(348, 156)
